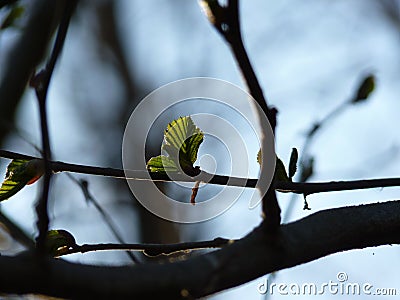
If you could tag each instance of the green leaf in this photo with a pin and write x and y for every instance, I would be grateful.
(280, 171)
(15, 13)
(294, 156)
(182, 140)
(366, 87)
(59, 241)
(19, 173)
(161, 164)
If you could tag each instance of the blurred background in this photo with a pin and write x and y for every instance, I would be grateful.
(310, 57)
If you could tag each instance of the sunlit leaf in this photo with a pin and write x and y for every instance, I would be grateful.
(161, 164)
(19, 173)
(59, 241)
(182, 140)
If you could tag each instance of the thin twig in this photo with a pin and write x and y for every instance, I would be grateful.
(83, 184)
(307, 188)
(16, 232)
(41, 83)
(152, 249)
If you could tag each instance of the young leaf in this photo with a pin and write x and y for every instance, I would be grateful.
(294, 156)
(59, 241)
(161, 164)
(366, 87)
(19, 173)
(280, 171)
(182, 140)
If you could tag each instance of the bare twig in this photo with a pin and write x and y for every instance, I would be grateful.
(16, 232)
(41, 83)
(152, 249)
(306, 188)
(226, 20)
(83, 184)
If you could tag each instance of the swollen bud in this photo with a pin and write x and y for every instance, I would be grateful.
(365, 89)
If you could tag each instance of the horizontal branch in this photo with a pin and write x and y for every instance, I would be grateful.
(152, 249)
(306, 188)
(315, 236)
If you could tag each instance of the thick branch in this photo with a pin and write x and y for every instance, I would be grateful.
(308, 239)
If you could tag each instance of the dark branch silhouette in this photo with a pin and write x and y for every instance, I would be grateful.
(305, 188)
(40, 82)
(152, 249)
(258, 253)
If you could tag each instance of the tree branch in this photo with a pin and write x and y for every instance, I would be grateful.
(151, 249)
(227, 21)
(308, 239)
(19, 65)
(306, 188)
(41, 83)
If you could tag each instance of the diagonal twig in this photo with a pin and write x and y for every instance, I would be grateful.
(16, 232)
(227, 22)
(83, 184)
